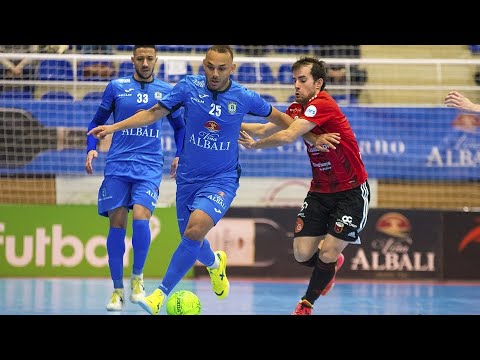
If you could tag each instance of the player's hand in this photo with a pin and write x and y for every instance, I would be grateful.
(246, 140)
(92, 154)
(325, 142)
(456, 100)
(173, 168)
(100, 132)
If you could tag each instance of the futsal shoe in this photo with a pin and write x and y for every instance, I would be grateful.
(220, 284)
(152, 303)
(137, 288)
(116, 301)
(340, 261)
(303, 308)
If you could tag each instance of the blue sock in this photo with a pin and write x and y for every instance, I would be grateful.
(115, 251)
(206, 255)
(182, 260)
(140, 243)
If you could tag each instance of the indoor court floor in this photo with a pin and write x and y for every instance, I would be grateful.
(66, 296)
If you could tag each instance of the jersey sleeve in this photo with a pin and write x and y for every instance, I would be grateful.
(258, 106)
(108, 97)
(175, 98)
(319, 111)
(178, 124)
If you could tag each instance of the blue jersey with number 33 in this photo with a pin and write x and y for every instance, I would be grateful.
(123, 97)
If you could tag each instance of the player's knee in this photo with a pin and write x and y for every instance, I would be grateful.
(329, 255)
(310, 262)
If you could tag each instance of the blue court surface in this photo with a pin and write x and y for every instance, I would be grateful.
(55, 296)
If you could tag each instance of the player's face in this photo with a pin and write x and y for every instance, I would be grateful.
(305, 86)
(144, 61)
(218, 68)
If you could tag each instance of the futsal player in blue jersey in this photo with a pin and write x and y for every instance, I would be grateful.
(133, 168)
(208, 170)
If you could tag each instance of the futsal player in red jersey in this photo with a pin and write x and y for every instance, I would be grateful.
(336, 206)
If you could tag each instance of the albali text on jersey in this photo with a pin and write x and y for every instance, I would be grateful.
(212, 120)
(122, 98)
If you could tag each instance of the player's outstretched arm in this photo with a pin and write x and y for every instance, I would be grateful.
(286, 136)
(279, 118)
(324, 142)
(260, 130)
(141, 118)
(283, 120)
(457, 100)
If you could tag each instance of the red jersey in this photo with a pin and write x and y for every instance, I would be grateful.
(336, 170)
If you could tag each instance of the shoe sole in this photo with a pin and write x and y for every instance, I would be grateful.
(146, 307)
(114, 309)
(331, 284)
(294, 313)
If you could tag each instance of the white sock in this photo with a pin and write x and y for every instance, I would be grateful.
(215, 264)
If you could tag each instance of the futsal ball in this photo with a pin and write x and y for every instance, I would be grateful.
(183, 302)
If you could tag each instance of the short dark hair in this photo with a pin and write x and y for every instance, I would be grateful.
(318, 71)
(135, 47)
(222, 49)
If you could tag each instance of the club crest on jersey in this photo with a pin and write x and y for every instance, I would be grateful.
(212, 126)
(339, 227)
(158, 95)
(232, 107)
(311, 111)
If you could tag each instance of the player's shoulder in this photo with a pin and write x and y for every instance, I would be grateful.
(240, 89)
(197, 80)
(237, 86)
(190, 81)
(122, 81)
(162, 84)
(325, 102)
(323, 97)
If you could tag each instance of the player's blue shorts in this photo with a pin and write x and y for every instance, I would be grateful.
(213, 197)
(123, 191)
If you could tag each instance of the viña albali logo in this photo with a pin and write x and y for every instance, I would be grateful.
(392, 250)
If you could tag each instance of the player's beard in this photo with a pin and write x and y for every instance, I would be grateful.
(304, 99)
(301, 99)
(141, 76)
(218, 85)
